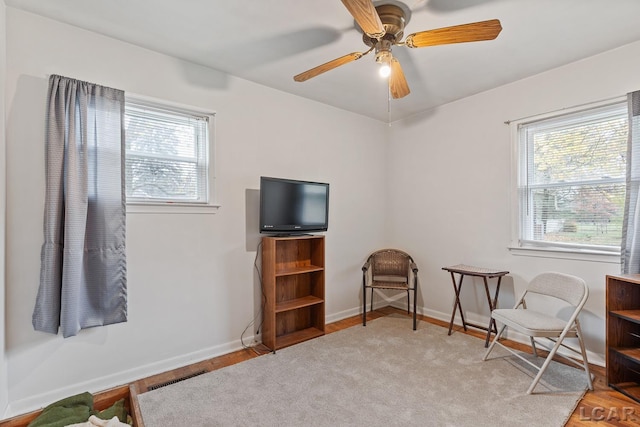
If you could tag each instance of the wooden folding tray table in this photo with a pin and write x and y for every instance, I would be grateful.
(485, 273)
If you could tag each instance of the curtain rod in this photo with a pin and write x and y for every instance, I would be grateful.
(602, 101)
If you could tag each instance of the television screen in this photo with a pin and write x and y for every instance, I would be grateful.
(290, 206)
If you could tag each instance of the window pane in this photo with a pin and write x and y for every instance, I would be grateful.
(166, 154)
(160, 179)
(581, 152)
(152, 133)
(588, 214)
(572, 178)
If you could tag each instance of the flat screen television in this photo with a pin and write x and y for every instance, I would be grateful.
(289, 206)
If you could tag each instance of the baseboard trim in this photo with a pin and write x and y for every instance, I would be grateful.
(97, 385)
(594, 358)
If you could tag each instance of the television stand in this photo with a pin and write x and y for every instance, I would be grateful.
(291, 235)
(293, 285)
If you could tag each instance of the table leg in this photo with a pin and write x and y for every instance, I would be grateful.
(457, 304)
(492, 305)
(486, 289)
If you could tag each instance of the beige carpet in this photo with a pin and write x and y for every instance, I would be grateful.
(380, 375)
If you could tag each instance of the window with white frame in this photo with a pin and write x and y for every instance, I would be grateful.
(167, 154)
(571, 180)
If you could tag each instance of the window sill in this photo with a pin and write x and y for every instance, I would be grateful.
(570, 254)
(171, 208)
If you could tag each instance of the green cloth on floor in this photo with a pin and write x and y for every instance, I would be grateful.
(77, 409)
(71, 410)
(115, 410)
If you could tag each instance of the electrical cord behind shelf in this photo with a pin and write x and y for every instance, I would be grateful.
(259, 315)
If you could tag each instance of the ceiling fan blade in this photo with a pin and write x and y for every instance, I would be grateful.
(397, 82)
(327, 66)
(477, 31)
(364, 12)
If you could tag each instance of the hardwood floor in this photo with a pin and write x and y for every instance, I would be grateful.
(602, 406)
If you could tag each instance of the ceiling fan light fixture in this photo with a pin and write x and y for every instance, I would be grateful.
(383, 53)
(383, 57)
(385, 70)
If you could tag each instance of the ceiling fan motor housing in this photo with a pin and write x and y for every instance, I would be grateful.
(393, 20)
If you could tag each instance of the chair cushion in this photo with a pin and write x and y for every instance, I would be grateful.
(389, 284)
(530, 322)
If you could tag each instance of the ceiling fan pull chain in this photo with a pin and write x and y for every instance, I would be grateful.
(389, 106)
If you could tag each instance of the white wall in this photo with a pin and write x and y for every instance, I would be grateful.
(4, 384)
(452, 174)
(192, 286)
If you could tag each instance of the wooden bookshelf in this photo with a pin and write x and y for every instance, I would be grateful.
(293, 284)
(623, 334)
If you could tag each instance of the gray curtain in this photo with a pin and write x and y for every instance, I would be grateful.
(631, 225)
(83, 266)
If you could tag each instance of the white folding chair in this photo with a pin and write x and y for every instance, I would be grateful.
(570, 289)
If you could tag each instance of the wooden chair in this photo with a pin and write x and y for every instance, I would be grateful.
(389, 269)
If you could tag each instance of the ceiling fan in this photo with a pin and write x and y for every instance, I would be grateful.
(383, 28)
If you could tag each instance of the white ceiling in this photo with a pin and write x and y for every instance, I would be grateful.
(270, 41)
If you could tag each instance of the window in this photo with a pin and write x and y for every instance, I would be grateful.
(167, 155)
(571, 180)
